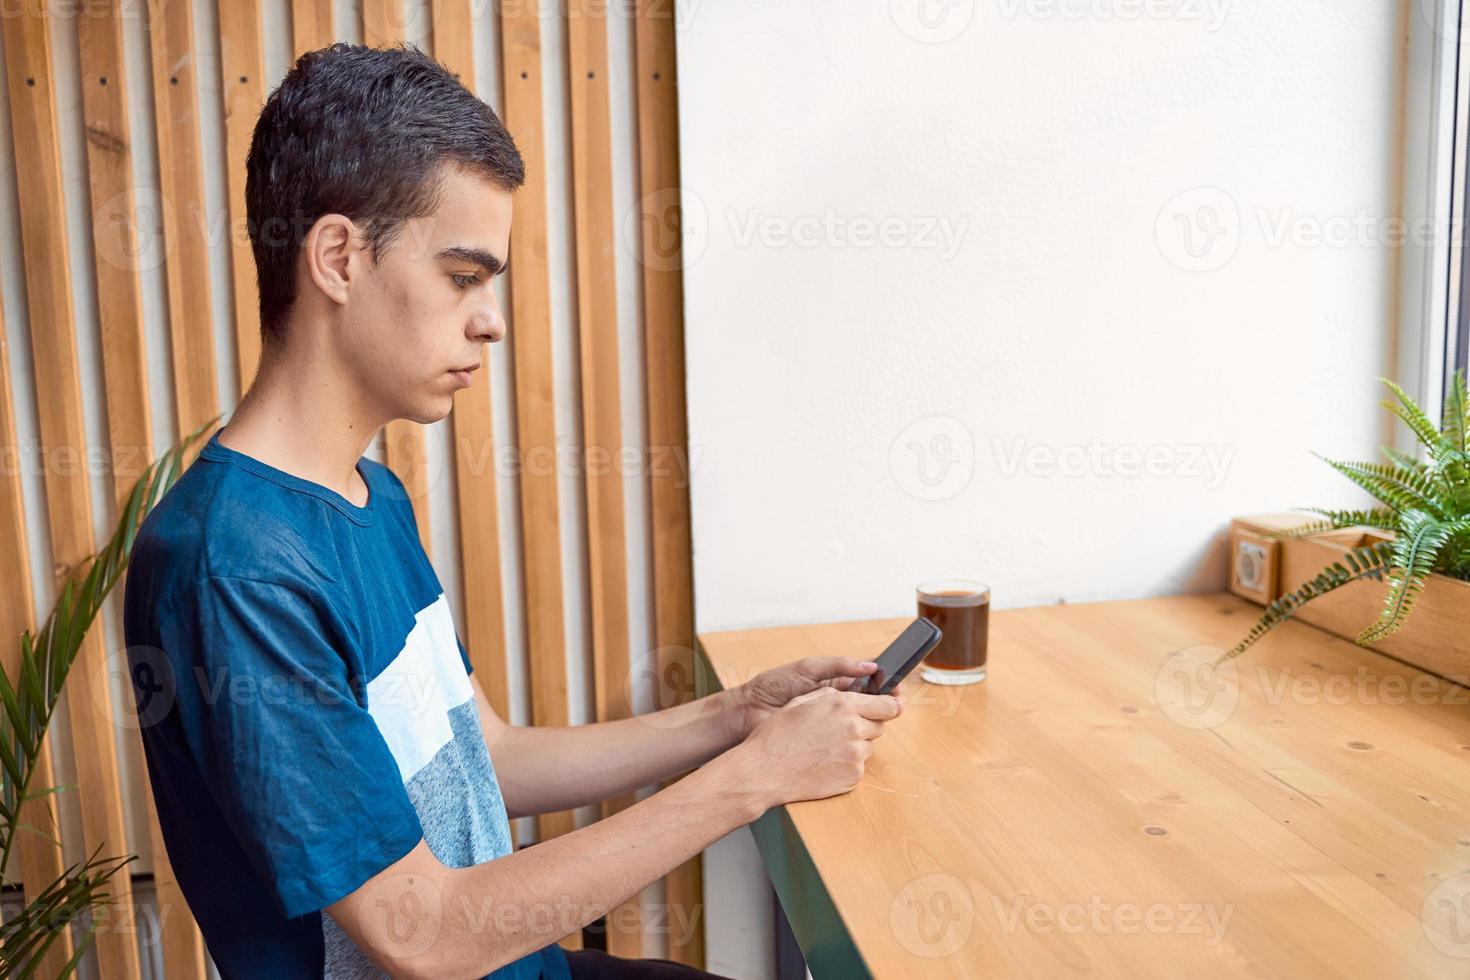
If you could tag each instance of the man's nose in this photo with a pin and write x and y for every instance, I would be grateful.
(488, 326)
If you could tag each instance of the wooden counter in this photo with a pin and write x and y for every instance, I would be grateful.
(1106, 804)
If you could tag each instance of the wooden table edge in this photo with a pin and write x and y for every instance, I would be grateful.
(820, 931)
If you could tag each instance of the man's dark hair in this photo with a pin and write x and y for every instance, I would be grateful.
(364, 132)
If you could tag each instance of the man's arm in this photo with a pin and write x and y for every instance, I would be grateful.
(545, 769)
(417, 918)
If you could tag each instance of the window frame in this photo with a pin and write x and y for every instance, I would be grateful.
(1434, 271)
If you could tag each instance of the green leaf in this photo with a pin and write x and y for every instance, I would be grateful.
(1369, 561)
(1399, 488)
(1413, 416)
(1415, 553)
(1455, 426)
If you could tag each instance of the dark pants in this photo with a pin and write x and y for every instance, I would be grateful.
(593, 964)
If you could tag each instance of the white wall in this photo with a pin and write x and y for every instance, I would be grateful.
(870, 414)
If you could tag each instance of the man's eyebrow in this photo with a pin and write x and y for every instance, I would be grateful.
(478, 256)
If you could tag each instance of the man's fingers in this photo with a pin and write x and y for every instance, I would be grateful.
(877, 707)
(821, 668)
(869, 729)
(811, 695)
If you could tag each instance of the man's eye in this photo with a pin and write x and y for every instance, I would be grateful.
(465, 281)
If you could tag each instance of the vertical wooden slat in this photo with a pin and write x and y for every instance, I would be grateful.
(474, 443)
(311, 26)
(242, 82)
(39, 860)
(403, 441)
(663, 315)
(68, 495)
(530, 332)
(125, 372)
(186, 242)
(114, 242)
(383, 23)
(597, 304)
(119, 304)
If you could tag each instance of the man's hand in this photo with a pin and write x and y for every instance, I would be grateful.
(769, 690)
(816, 746)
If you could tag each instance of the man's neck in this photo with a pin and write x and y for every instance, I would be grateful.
(308, 422)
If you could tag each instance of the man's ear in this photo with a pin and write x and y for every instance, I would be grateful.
(331, 254)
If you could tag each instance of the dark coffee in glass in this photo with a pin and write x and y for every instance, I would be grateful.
(961, 609)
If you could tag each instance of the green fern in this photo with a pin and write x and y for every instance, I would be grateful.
(27, 701)
(1424, 503)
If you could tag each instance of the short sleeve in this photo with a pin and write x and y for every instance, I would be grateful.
(294, 761)
(464, 655)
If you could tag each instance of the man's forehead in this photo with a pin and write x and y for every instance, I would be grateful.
(473, 215)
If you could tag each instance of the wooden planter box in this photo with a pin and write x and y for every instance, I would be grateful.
(1436, 636)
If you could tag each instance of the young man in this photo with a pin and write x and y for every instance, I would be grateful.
(332, 785)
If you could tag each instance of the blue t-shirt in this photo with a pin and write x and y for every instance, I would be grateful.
(306, 711)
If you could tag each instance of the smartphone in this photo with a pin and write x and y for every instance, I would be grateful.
(902, 656)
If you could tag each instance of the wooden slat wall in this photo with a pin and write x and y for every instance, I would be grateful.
(530, 319)
(38, 860)
(474, 438)
(537, 275)
(663, 318)
(520, 38)
(92, 727)
(187, 289)
(597, 306)
(311, 26)
(125, 368)
(186, 241)
(242, 70)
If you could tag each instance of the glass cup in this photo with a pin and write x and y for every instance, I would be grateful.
(961, 610)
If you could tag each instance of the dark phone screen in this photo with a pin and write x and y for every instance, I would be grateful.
(902, 656)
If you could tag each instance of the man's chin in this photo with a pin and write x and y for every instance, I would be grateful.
(429, 413)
